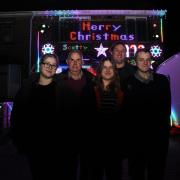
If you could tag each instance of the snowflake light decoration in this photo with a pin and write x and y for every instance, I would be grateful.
(47, 48)
(156, 51)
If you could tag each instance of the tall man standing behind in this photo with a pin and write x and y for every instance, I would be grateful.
(125, 70)
(118, 55)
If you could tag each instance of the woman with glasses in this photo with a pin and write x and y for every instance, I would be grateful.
(34, 120)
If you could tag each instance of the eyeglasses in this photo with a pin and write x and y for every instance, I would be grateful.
(50, 66)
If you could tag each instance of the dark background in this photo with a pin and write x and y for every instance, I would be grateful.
(17, 48)
(172, 29)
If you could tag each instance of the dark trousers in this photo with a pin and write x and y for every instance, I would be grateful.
(54, 166)
(148, 161)
(94, 165)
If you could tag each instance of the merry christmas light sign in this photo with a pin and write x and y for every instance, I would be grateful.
(98, 31)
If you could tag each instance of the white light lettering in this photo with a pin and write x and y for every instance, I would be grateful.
(116, 28)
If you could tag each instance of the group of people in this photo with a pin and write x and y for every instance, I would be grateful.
(97, 121)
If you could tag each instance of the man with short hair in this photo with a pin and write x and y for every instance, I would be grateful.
(148, 108)
(118, 55)
(75, 78)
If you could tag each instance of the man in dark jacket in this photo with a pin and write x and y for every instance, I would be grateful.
(118, 55)
(74, 78)
(148, 105)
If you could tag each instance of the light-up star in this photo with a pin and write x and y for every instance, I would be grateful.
(101, 50)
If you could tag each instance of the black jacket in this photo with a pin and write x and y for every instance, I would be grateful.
(35, 124)
(148, 109)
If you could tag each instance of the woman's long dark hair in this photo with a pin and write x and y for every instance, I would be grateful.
(115, 83)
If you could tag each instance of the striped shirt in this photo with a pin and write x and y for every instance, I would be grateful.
(108, 102)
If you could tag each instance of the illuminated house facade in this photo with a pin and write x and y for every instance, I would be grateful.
(94, 31)
(30, 34)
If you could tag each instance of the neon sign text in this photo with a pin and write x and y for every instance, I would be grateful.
(86, 26)
(96, 31)
(78, 36)
(156, 50)
(66, 47)
(133, 48)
